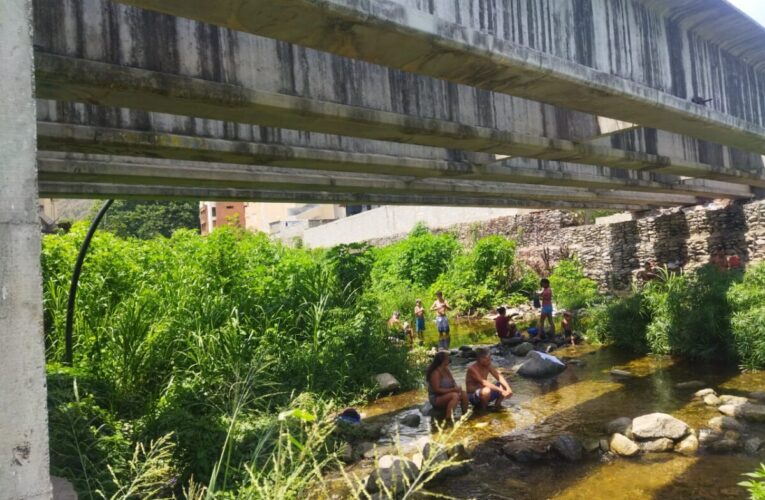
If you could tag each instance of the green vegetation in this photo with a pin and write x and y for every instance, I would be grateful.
(147, 219)
(704, 314)
(756, 484)
(572, 289)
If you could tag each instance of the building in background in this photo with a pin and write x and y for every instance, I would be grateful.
(284, 221)
(214, 214)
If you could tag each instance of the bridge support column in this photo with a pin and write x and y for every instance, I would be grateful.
(24, 459)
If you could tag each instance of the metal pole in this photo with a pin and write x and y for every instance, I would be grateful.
(76, 279)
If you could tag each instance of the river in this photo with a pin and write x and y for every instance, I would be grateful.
(579, 402)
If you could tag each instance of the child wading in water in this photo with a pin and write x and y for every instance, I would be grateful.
(419, 320)
(547, 308)
(568, 327)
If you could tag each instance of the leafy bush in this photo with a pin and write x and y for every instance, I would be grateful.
(571, 288)
(756, 484)
(620, 322)
(747, 301)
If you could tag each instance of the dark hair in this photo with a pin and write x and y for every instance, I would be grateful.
(481, 352)
(544, 282)
(439, 293)
(501, 310)
(438, 360)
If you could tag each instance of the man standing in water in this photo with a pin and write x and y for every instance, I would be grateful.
(419, 320)
(480, 391)
(442, 322)
(547, 309)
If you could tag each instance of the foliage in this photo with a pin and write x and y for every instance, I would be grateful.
(756, 484)
(352, 264)
(571, 288)
(747, 300)
(621, 322)
(147, 219)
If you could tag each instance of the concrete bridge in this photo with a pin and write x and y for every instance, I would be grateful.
(627, 104)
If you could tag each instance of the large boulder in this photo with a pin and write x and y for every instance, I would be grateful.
(525, 452)
(726, 423)
(523, 349)
(758, 395)
(622, 425)
(541, 365)
(568, 447)
(659, 425)
(656, 445)
(386, 383)
(622, 445)
(394, 474)
(752, 445)
(689, 445)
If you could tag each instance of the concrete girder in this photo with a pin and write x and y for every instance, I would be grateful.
(393, 34)
(81, 169)
(121, 142)
(69, 79)
(135, 191)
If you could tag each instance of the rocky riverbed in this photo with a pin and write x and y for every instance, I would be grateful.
(609, 425)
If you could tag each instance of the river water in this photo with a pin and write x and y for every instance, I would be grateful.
(580, 401)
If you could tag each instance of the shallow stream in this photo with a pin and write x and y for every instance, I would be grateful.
(580, 401)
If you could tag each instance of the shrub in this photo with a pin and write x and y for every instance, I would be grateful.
(621, 322)
(571, 288)
(747, 300)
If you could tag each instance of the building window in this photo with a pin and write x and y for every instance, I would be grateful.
(212, 211)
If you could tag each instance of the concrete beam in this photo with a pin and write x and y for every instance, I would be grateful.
(24, 455)
(69, 79)
(121, 142)
(82, 169)
(393, 34)
(133, 191)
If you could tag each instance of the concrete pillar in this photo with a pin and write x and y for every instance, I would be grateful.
(24, 459)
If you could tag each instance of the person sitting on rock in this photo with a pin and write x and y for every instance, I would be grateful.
(395, 326)
(504, 325)
(443, 392)
(481, 391)
(648, 273)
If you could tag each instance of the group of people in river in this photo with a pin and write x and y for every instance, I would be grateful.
(443, 391)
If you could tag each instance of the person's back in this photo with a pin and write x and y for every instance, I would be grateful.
(502, 324)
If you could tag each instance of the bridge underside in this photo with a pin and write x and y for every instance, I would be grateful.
(154, 102)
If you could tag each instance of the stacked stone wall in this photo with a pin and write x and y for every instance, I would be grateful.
(613, 253)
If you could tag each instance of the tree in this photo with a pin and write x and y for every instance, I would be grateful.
(147, 219)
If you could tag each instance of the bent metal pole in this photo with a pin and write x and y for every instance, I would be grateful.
(76, 279)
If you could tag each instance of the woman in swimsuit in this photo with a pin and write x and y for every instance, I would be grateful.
(443, 391)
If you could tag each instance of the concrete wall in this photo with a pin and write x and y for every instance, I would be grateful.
(23, 414)
(392, 221)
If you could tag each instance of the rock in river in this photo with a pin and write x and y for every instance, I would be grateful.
(704, 392)
(541, 365)
(622, 445)
(411, 420)
(523, 349)
(621, 425)
(748, 411)
(656, 445)
(712, 400)
(733, 400)
(659, 425)
(691, 384)
(689, 445)
(386, 383)
(622, 374)
(752, 445)
(568, 447)
(394, 473)
(726, 423)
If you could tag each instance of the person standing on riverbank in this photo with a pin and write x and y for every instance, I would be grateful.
(547, 308)
(480, 391)
(419, 321)
(442, 322)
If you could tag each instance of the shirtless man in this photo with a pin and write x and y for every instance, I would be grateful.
(480, 391)
(442, 322)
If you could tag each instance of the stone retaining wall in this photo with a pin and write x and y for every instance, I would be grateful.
(612, 253)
